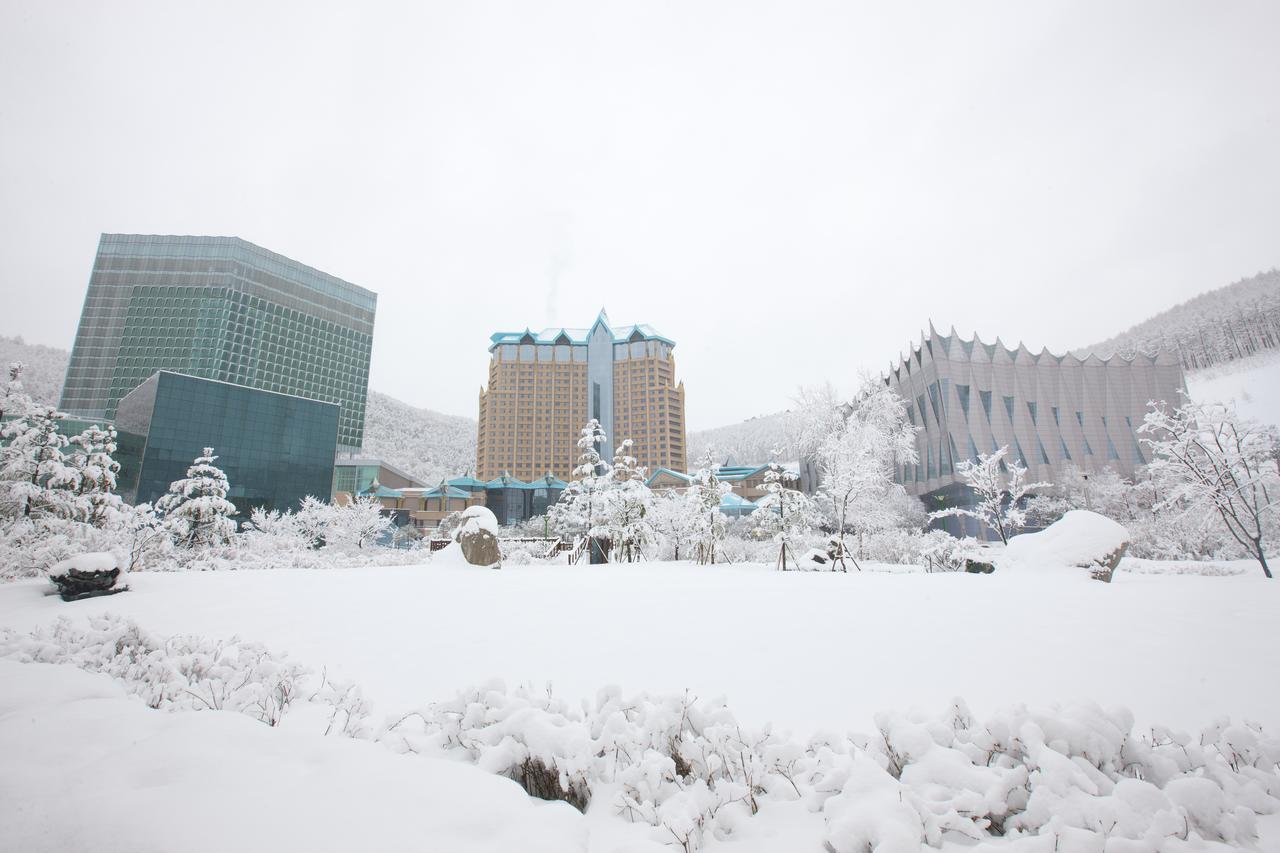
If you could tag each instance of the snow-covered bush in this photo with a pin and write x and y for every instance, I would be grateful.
(190, 673)
(692, 771)
(1079, 539)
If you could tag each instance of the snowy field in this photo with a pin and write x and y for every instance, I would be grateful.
(802, 650)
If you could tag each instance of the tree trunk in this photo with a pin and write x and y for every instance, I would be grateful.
(1262, 558)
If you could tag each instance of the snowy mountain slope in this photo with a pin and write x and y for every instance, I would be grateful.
(751, 441)
(1253, 384)
(44, 367)
(427, 444)
(1216, 327)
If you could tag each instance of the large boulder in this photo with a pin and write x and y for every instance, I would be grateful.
(477, 536)
(1080, 539)
(88, 575)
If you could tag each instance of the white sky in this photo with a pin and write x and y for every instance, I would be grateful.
(788, 190)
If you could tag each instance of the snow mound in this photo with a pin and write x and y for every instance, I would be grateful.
(1079, 539)
(87, 767)
(92, 561)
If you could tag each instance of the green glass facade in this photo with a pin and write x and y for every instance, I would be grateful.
(275, 448)
(224, 309)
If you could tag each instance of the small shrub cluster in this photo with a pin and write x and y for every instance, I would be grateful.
(190, 673)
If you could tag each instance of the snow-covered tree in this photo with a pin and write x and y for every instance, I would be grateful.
(708, 524)
(580, 510)
(37, 480)
(855, 448)
(93, 457)
(360, 522)
(1000, 497)
(784, 514)
(14, 400)
(196, 509)
(673, 526)
(1210, 458)
(312, 520)
(627, 503)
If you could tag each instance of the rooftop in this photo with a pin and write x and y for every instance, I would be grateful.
(579, 336)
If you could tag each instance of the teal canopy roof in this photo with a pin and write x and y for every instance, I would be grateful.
(449, 492)
(466, 483)
(733, 501)
(381, 492)
(566, 335)
(505, 482)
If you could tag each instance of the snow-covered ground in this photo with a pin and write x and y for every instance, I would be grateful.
(802, 650)
(1252, 383)
(87, 768)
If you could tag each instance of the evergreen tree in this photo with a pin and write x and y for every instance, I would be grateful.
(196, 509)
(97, 472)
(627, 505)
(38, 479)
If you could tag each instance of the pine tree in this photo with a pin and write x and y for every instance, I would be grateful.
(196, 509)
(38, 479)
(627, 505)
(97, 472)
(580, 510)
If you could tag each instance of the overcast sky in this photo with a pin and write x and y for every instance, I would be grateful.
(790, 190)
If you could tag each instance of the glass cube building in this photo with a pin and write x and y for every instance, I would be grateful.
(224, 309)
(275, 448)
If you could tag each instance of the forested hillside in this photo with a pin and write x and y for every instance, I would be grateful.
(1220, 326)
(427, 444)
(43, 371)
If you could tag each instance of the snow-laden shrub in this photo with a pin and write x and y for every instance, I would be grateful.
(188, 672)
(692, 771)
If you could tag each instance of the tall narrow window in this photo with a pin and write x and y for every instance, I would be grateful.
(1008, 407)
(985, 397)
(1031, 407)
(923, 420)
(962, 391)
(1066, 454)
(933, 398)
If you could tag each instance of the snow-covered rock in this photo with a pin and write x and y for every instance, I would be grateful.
(1079, 539)
(478, 537)
(88, 575)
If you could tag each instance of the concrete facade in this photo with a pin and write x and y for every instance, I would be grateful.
(970, 397)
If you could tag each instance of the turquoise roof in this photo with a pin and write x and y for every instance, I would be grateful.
(505, 482)
(675, 474)
(739, 472)
(735, 501)
(548, 482)
(449, 492)
(566, 335)
(466, 482)
(381, 492)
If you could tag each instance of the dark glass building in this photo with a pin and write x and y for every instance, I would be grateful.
(275, 448)
(219, 308)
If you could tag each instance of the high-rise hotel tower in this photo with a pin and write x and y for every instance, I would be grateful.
(219, 308)
(543, 386)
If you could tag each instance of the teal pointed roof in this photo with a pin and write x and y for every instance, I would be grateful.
(380, 491)
(448, 492)
(547, 481)
(578, 336)
(685, 477)
(505, 482)
(466, 482)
